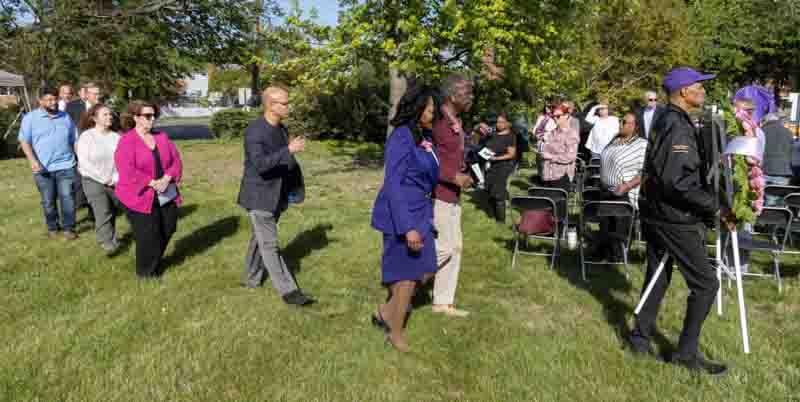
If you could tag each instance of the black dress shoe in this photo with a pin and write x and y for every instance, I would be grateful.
(639, 345)
(297, 298)
(699, 364)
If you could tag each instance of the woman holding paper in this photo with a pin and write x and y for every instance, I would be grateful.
(150, 169)
(504, 149)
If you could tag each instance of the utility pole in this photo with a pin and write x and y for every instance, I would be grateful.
(255, 87)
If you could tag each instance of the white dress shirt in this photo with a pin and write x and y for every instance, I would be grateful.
(604, 130)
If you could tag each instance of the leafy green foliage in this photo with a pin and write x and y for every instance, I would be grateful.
(229, 124)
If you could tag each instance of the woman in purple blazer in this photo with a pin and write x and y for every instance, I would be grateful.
(149, 169)
(403, 211)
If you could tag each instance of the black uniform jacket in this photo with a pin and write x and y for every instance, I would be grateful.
(675, 187)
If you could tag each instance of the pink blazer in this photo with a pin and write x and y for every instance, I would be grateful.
(136, 167)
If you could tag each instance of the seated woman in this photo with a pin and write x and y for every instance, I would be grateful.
(620, 172)
(403, 211)
(503, 144)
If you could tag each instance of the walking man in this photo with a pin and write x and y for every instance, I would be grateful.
(448, 136)
(271, 181)
(676, 204)
(47, 137)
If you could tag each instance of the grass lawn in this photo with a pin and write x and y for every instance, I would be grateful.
(78, 326)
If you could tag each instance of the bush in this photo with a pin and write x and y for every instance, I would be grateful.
(8, 145)
(229, 124)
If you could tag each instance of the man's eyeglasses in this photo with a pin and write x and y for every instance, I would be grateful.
(652, 100)
(148, 116)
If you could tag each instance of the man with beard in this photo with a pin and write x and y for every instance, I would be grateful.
(47, 137)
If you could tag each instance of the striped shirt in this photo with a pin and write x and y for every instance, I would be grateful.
(620, 162)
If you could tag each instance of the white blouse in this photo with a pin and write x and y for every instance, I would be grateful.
(96, 155)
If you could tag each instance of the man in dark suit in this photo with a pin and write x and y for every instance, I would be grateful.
(648, 114)
(89, 95)
(271, 181)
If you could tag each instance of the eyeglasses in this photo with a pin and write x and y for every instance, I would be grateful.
(652, 100)
(558, 116)
(148, 116)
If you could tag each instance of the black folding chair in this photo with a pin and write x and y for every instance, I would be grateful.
(777, 220)
(593, 212)
(560, 197)
(780, 191)
(521, 204)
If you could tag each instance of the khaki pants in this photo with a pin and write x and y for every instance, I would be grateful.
(447, 220)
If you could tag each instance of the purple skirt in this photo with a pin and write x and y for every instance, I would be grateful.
(399, 263)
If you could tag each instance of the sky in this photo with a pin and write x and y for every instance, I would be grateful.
(327, 9)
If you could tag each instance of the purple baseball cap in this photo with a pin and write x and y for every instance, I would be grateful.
(682, 77)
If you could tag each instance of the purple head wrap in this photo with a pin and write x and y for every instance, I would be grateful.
(763, 99)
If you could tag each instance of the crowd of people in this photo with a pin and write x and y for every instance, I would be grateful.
(652, 159)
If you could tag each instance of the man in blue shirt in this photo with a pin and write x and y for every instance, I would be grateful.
(47, 137)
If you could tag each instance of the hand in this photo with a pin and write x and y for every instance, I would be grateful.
(621, 189)
(414, 241)
(297, 144)
(463, 180)
(36, 167)
(483, 128)
(728, 219)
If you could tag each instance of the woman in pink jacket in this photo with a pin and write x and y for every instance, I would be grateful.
(150, 169)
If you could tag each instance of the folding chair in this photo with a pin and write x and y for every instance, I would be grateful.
(592, 212)
(777, 218)
(592, 176)
(525, 203)
(780, 191)
(792, 201)
(561, 198)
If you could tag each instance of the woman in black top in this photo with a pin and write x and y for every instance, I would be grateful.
(503, 144)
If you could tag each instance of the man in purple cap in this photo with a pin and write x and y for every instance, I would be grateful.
(676, 203)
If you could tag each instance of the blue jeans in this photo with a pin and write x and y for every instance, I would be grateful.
(771, 200)
(57, 184)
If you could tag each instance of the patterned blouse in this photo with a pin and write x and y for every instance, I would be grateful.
(559, 154)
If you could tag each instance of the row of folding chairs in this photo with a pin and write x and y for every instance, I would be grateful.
(777, 222)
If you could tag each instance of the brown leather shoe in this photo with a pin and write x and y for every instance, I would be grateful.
(70, 235)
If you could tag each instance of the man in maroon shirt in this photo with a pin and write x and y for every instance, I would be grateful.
(448, 136)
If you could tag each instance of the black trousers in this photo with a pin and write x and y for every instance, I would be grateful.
(613, 229)
(685, 244)
(152, 233)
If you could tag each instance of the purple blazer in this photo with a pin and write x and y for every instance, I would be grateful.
(136, 167)
(411, 173)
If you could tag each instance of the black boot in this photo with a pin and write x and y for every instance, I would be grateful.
(500, 211)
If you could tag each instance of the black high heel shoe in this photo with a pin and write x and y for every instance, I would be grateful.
(379, 322)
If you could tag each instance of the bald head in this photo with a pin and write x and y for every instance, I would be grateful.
(276, 103)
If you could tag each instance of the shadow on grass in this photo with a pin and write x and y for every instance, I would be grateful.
(363, 155)
(201, 240)
(604, 282)
(186, 210)
(304, 244)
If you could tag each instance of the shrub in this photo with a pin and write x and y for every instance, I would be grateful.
(8, 144)
(229, 124)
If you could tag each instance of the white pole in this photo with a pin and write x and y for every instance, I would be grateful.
(652, 283)
(740, 292)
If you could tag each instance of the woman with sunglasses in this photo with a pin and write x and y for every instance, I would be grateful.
(560, 151)
(150, 169)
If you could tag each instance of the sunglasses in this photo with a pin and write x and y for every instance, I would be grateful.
(652, 100)
(148, 116)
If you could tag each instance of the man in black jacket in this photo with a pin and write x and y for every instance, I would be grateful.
(271, 181)
(675, 203)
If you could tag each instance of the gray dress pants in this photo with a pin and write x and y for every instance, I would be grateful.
(105, 207)
(263, 255)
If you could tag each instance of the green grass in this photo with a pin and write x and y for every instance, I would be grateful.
(77, 326)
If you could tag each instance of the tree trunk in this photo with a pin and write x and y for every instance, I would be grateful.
(397, 87)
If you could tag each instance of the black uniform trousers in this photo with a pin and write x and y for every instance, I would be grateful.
(686, 245)
(152, 233)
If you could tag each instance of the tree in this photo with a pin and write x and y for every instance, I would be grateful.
(137, 47)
